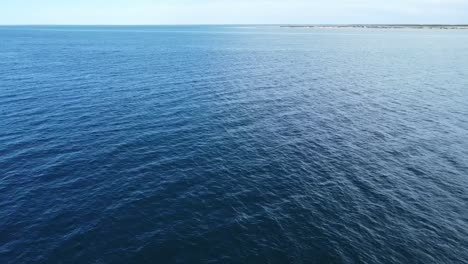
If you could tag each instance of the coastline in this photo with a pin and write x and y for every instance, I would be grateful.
(380, 26)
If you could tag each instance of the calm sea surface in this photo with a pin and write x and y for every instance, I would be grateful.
(233, 145)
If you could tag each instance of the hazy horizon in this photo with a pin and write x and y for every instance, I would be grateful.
(238, 24)
(223, 12)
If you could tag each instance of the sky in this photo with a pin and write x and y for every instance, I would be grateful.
(152, 12)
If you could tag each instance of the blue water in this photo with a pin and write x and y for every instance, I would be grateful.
(233, 145)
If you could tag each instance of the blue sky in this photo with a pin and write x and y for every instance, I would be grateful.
(232, 12)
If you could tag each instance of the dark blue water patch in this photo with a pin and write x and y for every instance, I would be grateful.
(233, 145)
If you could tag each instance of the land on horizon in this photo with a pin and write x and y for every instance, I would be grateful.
(416, 26)
(384, 26)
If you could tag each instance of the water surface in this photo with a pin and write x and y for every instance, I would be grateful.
(233, 145)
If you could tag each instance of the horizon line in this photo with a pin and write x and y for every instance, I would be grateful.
(249, 24)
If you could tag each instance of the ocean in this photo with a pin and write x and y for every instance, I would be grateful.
(233, 144)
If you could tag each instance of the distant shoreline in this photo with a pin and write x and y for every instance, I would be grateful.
(381, 26)
(336, 26)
